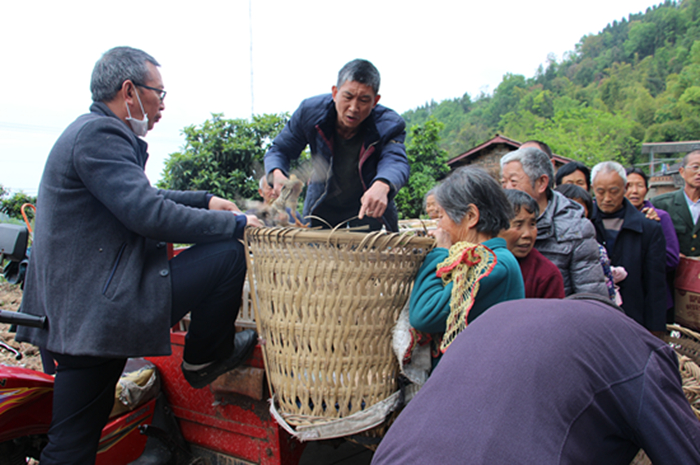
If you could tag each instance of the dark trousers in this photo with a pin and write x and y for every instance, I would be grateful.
(207, 280)
(83, 396)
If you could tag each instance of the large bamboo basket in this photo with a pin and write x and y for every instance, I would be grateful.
(686, 343)
(325, 303)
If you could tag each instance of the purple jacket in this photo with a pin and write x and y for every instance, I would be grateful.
(548, 381)
(672, 247)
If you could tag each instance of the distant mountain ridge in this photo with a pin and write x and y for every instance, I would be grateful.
(638, 80)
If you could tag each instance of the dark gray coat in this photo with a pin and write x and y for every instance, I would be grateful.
(567, 239)
(99, 267)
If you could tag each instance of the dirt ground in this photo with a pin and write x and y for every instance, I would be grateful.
(10, 298)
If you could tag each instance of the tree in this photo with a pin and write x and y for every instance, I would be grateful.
(589, 135)
(505, 97)
(642, 39)
(428, 164)
(519, 125)
(12, 206)
(223, 156)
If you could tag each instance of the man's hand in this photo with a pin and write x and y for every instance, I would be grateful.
(375, 200)
(442, 237)
(278, 179)
(253, 221)
(651, 214)
(217, 203)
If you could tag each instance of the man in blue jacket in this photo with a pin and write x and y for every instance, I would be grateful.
(99, 269)
(357, 148)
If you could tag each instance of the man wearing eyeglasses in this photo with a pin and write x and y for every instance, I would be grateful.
(99, 269)
(684, 206)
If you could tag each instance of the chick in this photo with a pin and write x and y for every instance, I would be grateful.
(275, 214)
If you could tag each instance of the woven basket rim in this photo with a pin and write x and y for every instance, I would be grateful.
(686, 334)
(686, 344)
(340, 236)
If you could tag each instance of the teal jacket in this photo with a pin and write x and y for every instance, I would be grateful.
(430, 299)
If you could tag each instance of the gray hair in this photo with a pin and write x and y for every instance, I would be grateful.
(116, 66)
(428, 194)
(470, 185)
(534, 161)
(263, 181)
(684, 162)
(609, 167)
(361, 71)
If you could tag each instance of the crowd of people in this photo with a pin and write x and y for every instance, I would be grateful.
(596, 274)
(617, 244)
(507, 253)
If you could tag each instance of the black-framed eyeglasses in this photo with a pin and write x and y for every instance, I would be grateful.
(161, 92)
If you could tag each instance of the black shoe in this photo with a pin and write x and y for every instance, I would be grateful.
(243, 346)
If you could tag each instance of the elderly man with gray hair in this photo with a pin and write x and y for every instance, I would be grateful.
(99, 269)
(564, 235)
(266, 191)
(633, 242)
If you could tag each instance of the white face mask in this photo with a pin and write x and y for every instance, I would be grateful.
(139, 126)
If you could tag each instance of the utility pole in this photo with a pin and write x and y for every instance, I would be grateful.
(250, 28)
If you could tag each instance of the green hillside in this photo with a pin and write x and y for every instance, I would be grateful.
(636, 81)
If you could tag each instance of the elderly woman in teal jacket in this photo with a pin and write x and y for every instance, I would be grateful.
(471, 269)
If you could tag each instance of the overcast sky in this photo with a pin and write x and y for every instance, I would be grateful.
(427, 50)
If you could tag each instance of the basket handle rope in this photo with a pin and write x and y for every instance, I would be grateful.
(339, 225)
(314, 217)
(372, 237)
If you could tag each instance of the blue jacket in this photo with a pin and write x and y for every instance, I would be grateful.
(383, 155)
(640, 248)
